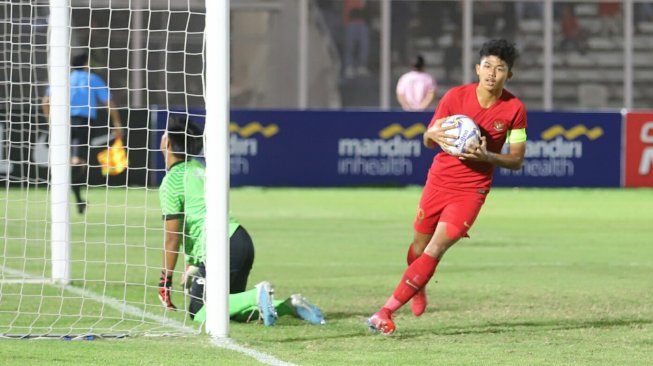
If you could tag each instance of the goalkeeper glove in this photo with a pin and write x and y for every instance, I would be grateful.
(165, 283)
(187, 277)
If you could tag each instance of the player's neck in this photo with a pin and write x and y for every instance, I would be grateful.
(486, 98)
(171, 159)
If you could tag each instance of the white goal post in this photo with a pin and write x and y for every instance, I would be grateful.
(59, 147)
(73, 272)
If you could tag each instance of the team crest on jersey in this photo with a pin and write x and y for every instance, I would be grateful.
(499, 125)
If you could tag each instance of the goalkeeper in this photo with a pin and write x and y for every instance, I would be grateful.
(182, 201)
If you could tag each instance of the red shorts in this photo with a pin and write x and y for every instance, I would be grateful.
(458, 209)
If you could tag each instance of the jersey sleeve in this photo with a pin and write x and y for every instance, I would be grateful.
(517, 131)
(171, 198)
(520, 119)
(99, 88)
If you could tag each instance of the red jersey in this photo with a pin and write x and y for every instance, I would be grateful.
(507, 113)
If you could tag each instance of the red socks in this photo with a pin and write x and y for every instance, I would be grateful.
(417, 275)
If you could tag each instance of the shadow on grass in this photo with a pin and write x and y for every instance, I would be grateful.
(544, 325)
(407, 332)
(349, 315)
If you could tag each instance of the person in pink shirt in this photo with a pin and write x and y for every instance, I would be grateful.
(416, 89)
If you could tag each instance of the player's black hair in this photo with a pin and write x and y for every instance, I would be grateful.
(501, 49)
(185, 137)
(79, 61)
(419, 63)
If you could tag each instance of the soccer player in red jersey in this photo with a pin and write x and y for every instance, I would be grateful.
(456, 186)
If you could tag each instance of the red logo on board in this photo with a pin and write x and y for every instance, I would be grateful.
(638, 167)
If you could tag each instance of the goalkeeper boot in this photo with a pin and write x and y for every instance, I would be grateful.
(264, 301)
(81, 207)
(418, 304)
(306, 310)
(381, 322)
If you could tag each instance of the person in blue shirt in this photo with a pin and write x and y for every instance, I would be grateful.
(88, 93)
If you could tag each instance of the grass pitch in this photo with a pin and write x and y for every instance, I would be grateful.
(549, 277)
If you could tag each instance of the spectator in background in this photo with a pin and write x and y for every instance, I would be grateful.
(87, 91)
(357, 43)
(416, 89)
(573, 36)
(332, 14)
(528, 10)
(643, 14)
(610, 12)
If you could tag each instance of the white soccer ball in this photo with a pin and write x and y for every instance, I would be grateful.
(466, 130)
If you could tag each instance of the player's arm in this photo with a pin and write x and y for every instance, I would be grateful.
(172, 240)
(45, 106)
(104, 96)
(512, 160)
(402, 101)
(428, 99)
(115, 118)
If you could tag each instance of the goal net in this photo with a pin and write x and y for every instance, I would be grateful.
(150, 54)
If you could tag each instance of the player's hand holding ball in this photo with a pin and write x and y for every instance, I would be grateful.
(476, 151)
(440, 135)
(458, 135)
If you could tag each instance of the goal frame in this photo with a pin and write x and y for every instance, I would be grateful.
(216, 88)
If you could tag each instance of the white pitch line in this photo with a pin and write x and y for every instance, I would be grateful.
(18, 281)
(229, 343)
(128, 309)
(225, 343)
(20, 275)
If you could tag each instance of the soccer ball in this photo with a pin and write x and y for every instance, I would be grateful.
(466, 130)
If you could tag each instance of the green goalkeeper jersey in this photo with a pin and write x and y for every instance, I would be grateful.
(182, 196)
